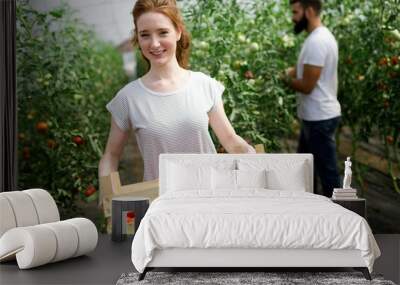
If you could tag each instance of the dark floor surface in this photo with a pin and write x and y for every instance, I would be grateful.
(102, 266)
(111, 259)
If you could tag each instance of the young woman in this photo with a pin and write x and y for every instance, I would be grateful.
(170, 107)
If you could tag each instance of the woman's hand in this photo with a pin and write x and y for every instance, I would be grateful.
(250, 149)
(241, 147)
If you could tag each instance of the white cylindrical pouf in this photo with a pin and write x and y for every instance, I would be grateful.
(45, 205)
(40, 247)
(7, 218)
(87, 235)
(36, 245)
(10, 244)
(23, 207)
(67, 239)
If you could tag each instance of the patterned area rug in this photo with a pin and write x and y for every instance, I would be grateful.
(242, 278)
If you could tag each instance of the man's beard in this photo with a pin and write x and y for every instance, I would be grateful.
(300, 25)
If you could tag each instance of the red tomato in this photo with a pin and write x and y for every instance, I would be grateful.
(389, 139)
(395, 60)
(51, 143)
(26, 154)
(42, 127)
(383, 61)
(78, 140)
(90, 190)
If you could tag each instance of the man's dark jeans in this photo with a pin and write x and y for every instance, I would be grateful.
(318, 138)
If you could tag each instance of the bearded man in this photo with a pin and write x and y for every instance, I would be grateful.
(315, 80)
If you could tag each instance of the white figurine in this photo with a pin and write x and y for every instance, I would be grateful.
(347, 174)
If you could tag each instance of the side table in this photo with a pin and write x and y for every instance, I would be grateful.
(137, 206)
(358, 205)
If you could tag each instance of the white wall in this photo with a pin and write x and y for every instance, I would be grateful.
(110, 19)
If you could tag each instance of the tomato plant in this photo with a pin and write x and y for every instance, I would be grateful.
(65, 77)
(246, 45)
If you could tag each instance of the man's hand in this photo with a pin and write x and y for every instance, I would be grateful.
(288, 75)
(290, 72)
(308, 81)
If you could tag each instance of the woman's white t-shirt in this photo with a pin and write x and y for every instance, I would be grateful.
(173, 122)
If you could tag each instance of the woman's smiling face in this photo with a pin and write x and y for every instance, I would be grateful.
(157, 37)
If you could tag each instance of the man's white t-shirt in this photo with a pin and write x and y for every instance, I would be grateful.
(319, 49)
(173, 122)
